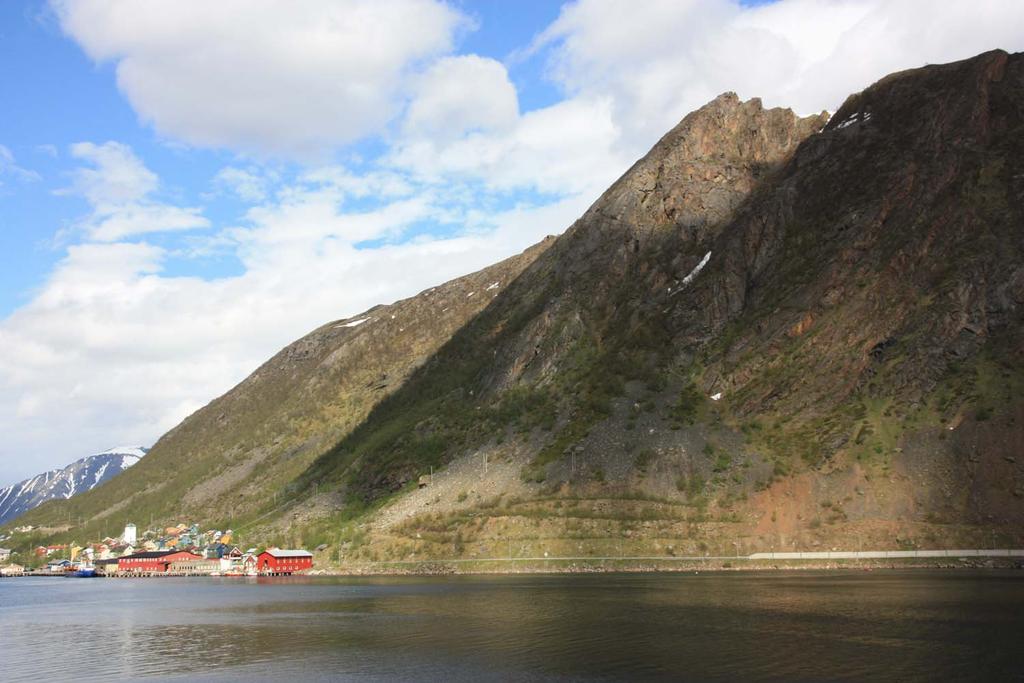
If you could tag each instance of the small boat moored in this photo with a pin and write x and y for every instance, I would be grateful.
(83, 573)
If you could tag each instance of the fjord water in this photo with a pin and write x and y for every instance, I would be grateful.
(892, 625)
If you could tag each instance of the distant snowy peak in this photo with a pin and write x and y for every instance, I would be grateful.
(137, 451)
(81, 475)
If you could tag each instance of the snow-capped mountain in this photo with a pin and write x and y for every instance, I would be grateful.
(77, 477)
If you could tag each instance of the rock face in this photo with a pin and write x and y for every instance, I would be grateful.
(78, 477)
(771, 332)
(769, 320)
(889, 250)
(698, 173)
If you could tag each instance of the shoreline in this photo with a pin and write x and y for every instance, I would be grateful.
(574, 565)
(438, 570)
(448, 569)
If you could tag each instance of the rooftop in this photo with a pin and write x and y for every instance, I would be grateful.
(150, 554)
(277, 552)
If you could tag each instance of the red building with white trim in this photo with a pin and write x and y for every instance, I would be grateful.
(156, 561)
(277, 561)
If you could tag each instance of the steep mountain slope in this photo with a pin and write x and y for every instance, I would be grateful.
(771, 332)
(556, 342)
(243, 450)
(743, 345)
(78, 477)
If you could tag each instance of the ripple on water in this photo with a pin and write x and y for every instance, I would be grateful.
(889, 625)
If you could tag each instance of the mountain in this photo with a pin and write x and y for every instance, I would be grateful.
(78, 477)
(243, 451)
(773, 332)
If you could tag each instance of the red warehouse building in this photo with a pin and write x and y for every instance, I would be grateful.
(276, 561)
(155, 561)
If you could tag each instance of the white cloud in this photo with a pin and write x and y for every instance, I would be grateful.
(118, 186)
(117, 176)
(112, 348)
(631, 71)
(457, 95)
(375, 183)
(116, 223)
(565, 148)
(315, 214)
(658, 60)
(9, 167)
(277, 77)
(248, 184)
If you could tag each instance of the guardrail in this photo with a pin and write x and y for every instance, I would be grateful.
(820, 555)
(884, 554)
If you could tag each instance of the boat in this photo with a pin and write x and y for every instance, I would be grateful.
(83, 572)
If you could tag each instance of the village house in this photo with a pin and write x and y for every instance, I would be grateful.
(5, 554)
(12, 570)
(107, 565)
(58, 566)
(276, 561)
(156, 562)
(249, 563)
(231, 561)
(194, 565)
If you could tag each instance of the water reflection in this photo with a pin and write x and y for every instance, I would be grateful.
(891, 625)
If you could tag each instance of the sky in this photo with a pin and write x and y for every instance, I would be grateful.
(187, 187)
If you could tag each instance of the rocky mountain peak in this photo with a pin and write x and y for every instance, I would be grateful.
(699, 172)
(939, 107)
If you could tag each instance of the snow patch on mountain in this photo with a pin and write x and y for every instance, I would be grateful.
(78, 477)
(137, 451)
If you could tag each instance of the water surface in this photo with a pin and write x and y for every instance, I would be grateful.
(890, 625)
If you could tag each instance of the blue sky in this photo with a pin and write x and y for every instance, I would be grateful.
(61, 97)
(186, 187)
